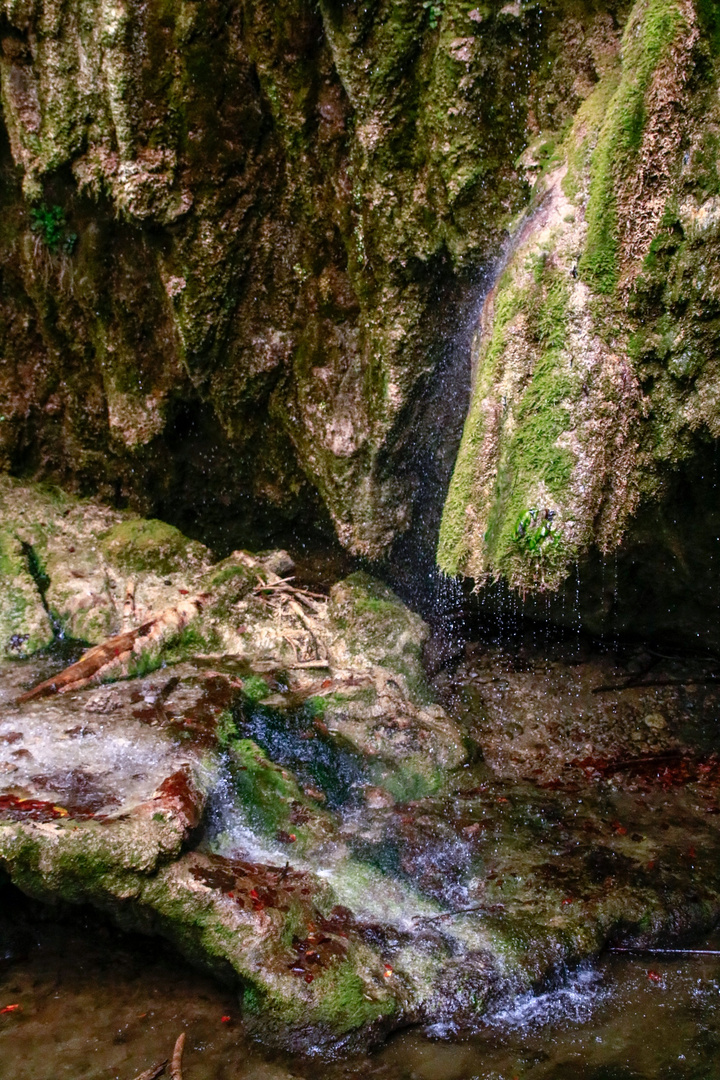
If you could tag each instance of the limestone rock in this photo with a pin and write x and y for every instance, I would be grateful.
(589, 436)
(237, 239)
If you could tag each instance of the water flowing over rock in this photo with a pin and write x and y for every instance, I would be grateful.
(269, 782)
(243, 248)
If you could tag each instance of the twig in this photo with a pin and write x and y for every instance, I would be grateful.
(152, 1074)
(309, 624)
(458, 911)
(176, 1067)
(631, 763)
(117, 650)
(639, 685)
(283, 586)
(664, 952)
(263, 586)
(292, 645)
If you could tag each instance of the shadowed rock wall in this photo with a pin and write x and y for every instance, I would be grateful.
(235, 237)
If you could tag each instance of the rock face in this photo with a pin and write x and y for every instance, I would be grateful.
(261, 775)
(237, 238)
(595, 405)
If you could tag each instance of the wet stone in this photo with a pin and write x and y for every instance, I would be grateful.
(269, 783)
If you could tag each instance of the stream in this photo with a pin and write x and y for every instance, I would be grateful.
(95, 1005)
(79, 999)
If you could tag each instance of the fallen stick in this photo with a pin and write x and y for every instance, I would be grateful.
(283, 586)
(460, 911)
(664, 952)
(633, 685)
(154, 1073)
(176, 1067)
(279, 584)
(115, 650)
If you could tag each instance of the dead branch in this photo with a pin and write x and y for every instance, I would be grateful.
(651, 951)
(155, 1072)
(283, 587)
(176, 1067)
(632, 684)
(292, 645)
(265, 586)
(116, 651)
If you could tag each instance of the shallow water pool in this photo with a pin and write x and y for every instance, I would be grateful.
(93, 1004)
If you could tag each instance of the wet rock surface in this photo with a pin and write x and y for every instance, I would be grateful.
(271, 784)
(588, 467)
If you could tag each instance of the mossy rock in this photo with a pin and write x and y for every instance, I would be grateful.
(596, 356)
(149, 546)
(25, 625)
(377, 627)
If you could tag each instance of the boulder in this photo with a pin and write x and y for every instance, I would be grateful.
(586, 463)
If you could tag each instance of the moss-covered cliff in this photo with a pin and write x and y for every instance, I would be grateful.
(235, 236)
(597, 362)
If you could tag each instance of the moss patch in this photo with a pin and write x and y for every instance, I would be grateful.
(147, 545)
(651, 31)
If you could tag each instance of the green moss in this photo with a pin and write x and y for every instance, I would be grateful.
(708, 14)
(453, 549)
(344, 1002)
(145, 544)
(226, 730)
(238, 575)
(255, 688)
(36, 568)
(411, 779)
(650, 32)
(266, 792)
(528, 452)
(51, 224)
(317, 706)
(531, 454)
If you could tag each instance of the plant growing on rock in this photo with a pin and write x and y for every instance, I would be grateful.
(434, 9)
(533, 532)
(50, 222)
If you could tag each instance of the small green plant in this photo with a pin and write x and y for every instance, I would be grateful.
(533, 532)
(255, 688)
(50, 222)
(434, 9)
(316, 707)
